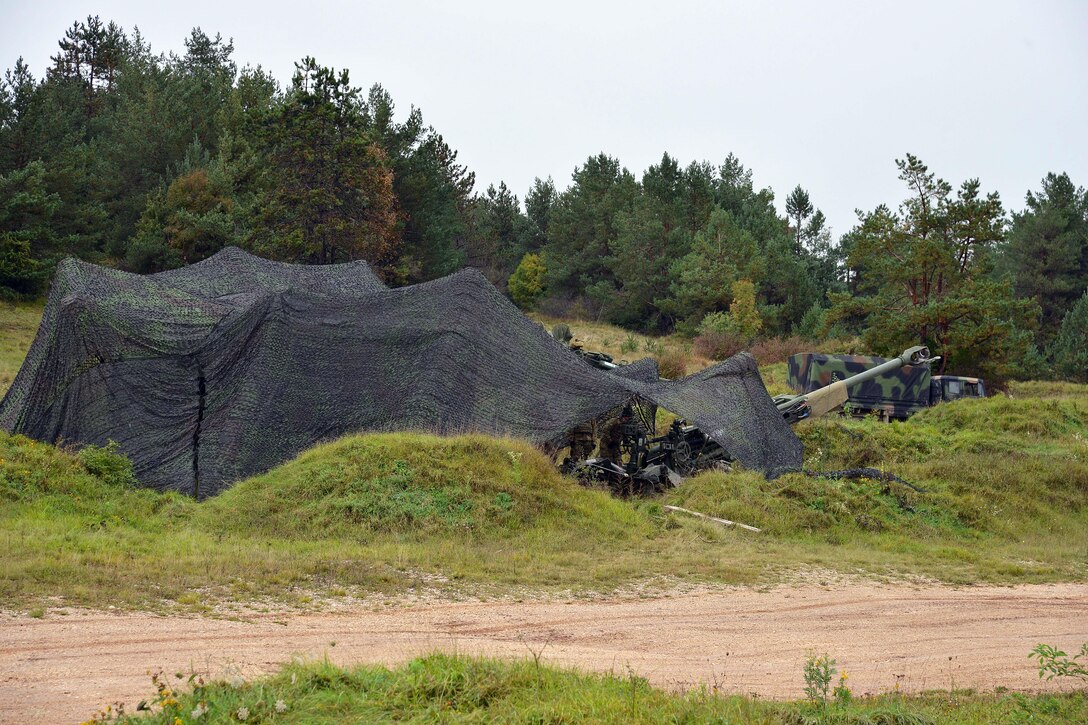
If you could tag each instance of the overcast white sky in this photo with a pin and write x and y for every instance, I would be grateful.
(825, 94)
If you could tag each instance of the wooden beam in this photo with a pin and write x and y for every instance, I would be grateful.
(723, 522)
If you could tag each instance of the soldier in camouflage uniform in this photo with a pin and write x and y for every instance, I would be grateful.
(581, 441)
(612, 435)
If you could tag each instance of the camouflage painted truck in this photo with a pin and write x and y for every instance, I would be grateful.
(894, 393)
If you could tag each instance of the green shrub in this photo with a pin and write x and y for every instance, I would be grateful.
(526, 284)
(108, 464)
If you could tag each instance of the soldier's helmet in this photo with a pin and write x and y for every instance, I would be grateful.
(627, 413)
(575, 343)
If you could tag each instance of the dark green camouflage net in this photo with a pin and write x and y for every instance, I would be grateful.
(221, 370)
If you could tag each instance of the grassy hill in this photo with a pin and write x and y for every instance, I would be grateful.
(1005, 500)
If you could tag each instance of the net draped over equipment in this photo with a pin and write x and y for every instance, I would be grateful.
(223, 369)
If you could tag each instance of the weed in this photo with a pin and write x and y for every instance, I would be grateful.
(1053, 662)
(818, 672)
(629, 345)
(108, 463)
(673, 364)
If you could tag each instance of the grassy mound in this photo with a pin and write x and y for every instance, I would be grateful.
(363, 514)
(443, 688)
(414, 485)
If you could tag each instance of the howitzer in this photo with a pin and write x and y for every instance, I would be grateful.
(796, 408)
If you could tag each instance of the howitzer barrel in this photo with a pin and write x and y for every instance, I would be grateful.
(826, 399)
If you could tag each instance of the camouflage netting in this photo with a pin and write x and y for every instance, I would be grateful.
(223, 369)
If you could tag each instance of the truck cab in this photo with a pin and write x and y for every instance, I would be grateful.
(954, 387)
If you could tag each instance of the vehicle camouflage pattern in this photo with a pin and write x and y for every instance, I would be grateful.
(894, 395)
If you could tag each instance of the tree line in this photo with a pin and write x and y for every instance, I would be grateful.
(147, 161)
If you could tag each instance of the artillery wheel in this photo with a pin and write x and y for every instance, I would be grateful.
(685, 466)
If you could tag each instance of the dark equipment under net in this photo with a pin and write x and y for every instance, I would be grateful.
(211, 373)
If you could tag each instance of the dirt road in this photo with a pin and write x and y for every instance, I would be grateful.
(61, 668)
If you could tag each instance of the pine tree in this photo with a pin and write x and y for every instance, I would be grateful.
(799, 208)
(1069, 349)
(927, 277)
(332, 196)
(1047, 251)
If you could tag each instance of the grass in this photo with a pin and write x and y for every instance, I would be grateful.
(1006, 501)
(627, 346)
(458, 689)
(18, 323)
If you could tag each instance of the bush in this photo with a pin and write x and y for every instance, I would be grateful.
(526, 284)
(21, 276)
(778, 349)
(673, 364)
(717, 345)
(108, 464)
(812, 325)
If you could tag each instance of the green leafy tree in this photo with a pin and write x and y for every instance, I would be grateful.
(743, 316)
(192, 219)
(526, 284)
(539, 202)
(1070, 347)
(927, 277)
(1047, 251)
(433, 191)
(499, 233)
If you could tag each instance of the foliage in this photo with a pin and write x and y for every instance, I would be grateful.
(526, 285)
(770, 350)
(331, 197)
(744, 318)
(146, 161)
(21, 275)
(721, 253)
(1047, 250)
(818, 673)
(717, 342)
(108, 463)
(1070, 347)
(460, 688)
(673, 364)
(813, 325)
(1053, 662)
(924, 277)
